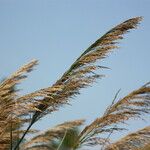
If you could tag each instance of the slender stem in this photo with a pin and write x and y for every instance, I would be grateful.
(20, 140)
(62, 140)
(107, 138)
(108, 110)
(11, 135)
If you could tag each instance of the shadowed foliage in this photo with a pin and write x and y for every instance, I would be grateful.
(63, 136)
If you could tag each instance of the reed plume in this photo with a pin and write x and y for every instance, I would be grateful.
(133, 141)
(81, 73)
(134, 105)
(10, 111)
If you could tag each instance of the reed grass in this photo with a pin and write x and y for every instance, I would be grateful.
(18, 111)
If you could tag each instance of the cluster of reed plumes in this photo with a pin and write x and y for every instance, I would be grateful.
(17, 111)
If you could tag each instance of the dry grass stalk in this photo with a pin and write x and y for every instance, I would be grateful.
(133, 105)
(133, 141)
(10, 107)
(82, 72)
(146, 147)
(40, 147)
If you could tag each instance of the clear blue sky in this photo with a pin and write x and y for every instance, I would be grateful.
(56, 32)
